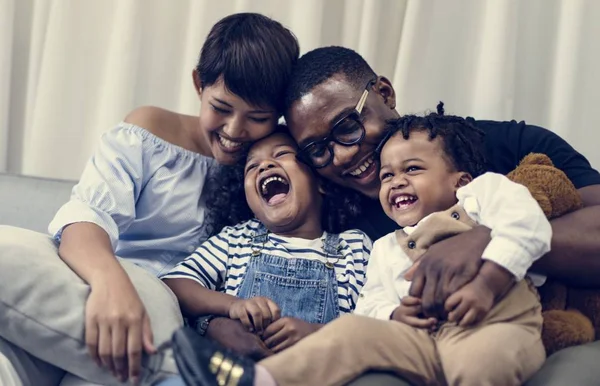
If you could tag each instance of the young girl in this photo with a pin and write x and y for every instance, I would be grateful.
(142, 198)
(290, 265)
(431, 186)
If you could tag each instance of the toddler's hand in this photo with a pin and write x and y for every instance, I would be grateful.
(410, 311)
(470, 304)
(255, 313)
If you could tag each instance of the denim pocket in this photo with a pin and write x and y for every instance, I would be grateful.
(300, 298)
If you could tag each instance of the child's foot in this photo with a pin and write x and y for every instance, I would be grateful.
(205, 362)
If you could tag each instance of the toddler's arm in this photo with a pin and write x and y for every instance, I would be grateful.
(199, 280)
(379, 297)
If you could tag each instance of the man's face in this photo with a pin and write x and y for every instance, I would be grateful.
(312, 117)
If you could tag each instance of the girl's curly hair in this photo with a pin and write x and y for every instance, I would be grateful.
(227, 205)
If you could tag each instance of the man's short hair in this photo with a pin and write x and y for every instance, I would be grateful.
(318, 65)
(254, 54)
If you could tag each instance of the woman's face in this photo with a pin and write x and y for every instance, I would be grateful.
(228, 124)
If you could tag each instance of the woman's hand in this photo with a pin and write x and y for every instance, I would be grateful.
(285, 332)
(410, 312)
(117, 327)
(255, 313)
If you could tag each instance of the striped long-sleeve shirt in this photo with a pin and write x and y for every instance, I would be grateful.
(220, 263)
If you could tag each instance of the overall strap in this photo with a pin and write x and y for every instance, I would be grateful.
(259, 237)
(331, 244)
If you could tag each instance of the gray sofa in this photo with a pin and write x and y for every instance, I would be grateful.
(31, 203)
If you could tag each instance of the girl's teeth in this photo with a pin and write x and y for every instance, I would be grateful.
(361, 169)
(274, 178)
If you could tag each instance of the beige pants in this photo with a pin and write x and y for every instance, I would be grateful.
(505, 349)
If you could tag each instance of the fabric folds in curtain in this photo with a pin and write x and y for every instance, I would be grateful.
(71, 69)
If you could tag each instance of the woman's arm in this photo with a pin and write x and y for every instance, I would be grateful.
(87, 250)
(117, 328)
(102, 206)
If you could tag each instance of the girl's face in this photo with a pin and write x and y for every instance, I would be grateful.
(281, 191)
(228, 124)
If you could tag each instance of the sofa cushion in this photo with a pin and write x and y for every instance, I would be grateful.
(29, 202)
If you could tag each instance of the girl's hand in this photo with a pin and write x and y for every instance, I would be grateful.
(285, 332)
(117, 327)
(255, 313)
(410, 312)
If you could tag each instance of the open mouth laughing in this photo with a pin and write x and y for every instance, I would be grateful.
(403, 201)
(273, 188)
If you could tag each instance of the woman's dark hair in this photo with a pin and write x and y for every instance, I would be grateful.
(227, 205)
(463, 142)
(254, 54)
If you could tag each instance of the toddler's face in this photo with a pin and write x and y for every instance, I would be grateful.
(281, 191)
(416, 178)
(229, 124)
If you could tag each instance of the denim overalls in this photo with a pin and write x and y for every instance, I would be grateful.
(302, 288)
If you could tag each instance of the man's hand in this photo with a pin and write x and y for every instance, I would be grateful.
(285, 332)
(447, 266)
(410, 312)
(233, 335)
(255, 313)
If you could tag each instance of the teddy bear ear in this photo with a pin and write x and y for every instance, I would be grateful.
(536, 159)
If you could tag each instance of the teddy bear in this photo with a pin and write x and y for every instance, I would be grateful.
(571, 315)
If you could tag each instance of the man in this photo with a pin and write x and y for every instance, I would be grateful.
(338, 130)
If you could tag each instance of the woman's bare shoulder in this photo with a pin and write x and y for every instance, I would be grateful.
(163, 123)
(155, 119)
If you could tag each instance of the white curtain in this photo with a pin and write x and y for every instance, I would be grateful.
(71, 69)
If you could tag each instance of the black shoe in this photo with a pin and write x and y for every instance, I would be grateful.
(203, 362)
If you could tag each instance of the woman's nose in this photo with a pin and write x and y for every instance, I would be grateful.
(234, 128)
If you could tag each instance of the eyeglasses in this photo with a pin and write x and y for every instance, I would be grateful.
(347, 131)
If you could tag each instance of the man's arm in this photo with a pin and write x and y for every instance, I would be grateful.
(575, 249)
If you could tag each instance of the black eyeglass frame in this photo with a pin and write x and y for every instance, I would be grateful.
(353, 114)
